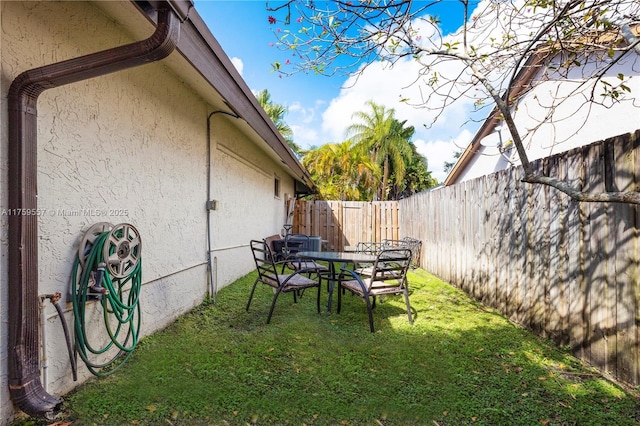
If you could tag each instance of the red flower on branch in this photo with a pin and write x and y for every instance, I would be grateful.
(272, 20)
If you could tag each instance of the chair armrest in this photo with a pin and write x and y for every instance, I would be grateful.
(299, 272)
(355, 276)
(281, 262)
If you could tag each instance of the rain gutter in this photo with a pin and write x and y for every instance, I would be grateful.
(25, 386)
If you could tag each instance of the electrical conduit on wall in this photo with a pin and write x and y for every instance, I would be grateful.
(211, 205)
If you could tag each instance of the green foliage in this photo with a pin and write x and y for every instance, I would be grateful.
(448, 165)
(417, 177)
(341, 172)
(381, 162)
(615, 92)
(276, 113)
(460, 363)
(386, 140)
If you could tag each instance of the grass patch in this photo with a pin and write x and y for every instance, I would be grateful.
(459, 364)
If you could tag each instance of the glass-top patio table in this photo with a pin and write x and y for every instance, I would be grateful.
(333, 257)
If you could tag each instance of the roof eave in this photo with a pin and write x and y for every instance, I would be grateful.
(201, 49)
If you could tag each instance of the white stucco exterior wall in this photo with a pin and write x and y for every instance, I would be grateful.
(575, 122)
(243, 185)
(128, 147)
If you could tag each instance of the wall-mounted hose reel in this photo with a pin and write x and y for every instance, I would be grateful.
(106, 281)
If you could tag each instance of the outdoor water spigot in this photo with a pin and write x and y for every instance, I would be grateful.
(98, 276)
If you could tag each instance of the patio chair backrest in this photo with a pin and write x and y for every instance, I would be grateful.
(388, 277)
(372, 247)
(263, 257)
(391, 265)
(368, 247)
(415, 246)
(407, 242)
(267, 269)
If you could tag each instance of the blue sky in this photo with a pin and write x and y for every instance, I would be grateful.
(320, 107)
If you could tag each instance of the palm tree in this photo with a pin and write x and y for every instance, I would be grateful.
(417, 177)
(385, 138)
(342, 173)
(276, 113)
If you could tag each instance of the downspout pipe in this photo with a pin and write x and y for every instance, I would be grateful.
(25, 386)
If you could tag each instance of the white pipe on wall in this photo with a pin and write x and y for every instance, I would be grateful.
(44, 362)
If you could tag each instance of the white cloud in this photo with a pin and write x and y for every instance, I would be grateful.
(306, 136)
(439, 151)
(304, 123)
(304, 114)
(237, 62)
(389, 86)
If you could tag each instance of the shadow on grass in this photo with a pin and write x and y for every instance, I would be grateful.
(458, 364)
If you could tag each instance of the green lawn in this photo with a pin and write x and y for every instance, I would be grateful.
(460, 363)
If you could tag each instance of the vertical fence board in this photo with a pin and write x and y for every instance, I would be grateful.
(627, 157)
(512, 291)
(575, 284)
(454, 207)
(502, 229)
(557, 318)
(610, 279)
(436, 237)
(486, 235)
(536, 255)
(521, 191)
(471, 266)
(596, 262)
(493, 207)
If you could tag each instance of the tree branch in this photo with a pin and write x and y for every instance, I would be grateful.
(630, 38)
(630, 197)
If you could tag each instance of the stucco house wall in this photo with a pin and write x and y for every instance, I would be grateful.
(242, 183)
(548, 127)
(129, 147)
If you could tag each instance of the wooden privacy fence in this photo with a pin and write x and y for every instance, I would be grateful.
(565, 270)
(342, 224)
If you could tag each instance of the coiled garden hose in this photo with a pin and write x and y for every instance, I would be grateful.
(119, 300)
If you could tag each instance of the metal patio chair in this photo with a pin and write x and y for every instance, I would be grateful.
(295, 243)
(388, 276)
(281, 283)
(374, 248)
(412, 244)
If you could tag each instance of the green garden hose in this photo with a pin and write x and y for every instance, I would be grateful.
(118, 298)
